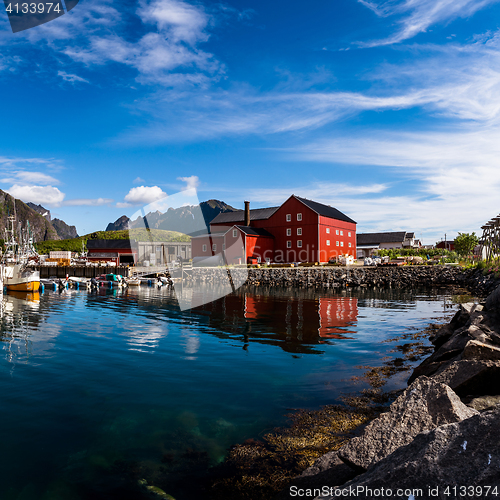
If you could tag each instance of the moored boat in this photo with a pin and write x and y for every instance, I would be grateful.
(17, 274)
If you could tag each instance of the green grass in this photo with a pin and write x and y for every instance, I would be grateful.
(75, 244)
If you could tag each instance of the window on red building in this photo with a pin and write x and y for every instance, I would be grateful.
(204, 248)
(299, 216)
(289, 232)
(299, 231)
(327, 243)
(299, 243)
(288, 217)
(289, 244)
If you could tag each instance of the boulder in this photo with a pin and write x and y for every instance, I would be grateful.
(464, 453)
(480, 350)
(483, 403)
(471, 377)
(328, 470)
(493, 300)
(423, 406)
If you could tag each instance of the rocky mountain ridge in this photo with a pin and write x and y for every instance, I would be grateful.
(41, 227)
(184, 219)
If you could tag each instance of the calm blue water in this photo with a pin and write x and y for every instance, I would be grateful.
(100, 389)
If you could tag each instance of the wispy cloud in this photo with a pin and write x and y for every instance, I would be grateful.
(88, 202)
(419, 15)
(159, 39)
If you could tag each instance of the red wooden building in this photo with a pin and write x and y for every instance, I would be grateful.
(299, 230)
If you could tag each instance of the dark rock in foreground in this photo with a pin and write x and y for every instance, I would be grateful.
(423, 406)
(465, 454)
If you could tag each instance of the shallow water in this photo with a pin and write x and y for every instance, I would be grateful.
(101, 389)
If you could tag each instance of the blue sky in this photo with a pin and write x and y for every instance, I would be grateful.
(387, 110)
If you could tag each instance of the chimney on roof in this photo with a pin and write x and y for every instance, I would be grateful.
(247, 213)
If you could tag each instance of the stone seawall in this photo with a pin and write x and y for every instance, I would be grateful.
(335, 277)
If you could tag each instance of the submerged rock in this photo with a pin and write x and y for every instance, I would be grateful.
(328, 470)
(425, 405)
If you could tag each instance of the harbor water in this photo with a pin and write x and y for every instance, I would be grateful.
(100, 389)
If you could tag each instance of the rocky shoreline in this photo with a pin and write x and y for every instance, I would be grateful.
(338, 277)
(441, 437)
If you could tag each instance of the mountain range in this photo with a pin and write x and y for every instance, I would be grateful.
(188, 219)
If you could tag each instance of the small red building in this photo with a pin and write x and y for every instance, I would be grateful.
(121, 252)
(447, 245)
(299, 230)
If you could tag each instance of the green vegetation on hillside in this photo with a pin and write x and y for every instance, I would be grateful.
(141, 234)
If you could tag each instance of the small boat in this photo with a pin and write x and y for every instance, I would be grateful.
(133, 282)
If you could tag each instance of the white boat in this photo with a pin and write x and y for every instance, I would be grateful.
(133, 282)
(19, 253)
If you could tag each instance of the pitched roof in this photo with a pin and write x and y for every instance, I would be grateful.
(410, 235)
(377, 238)
(111, 244)
(255, 231)
(239, 215)
(325, 210)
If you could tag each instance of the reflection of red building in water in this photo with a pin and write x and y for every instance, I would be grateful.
(299, 318)
(299, 230)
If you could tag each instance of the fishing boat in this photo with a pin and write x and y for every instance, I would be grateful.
(18, 258)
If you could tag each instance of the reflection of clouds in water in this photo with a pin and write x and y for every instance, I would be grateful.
(191, 343)
(145, 336)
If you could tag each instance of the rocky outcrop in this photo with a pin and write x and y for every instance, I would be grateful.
(464, 454)
(120, 224)
(41, 228)
(64, 231)
(442, 433)
(422, 407)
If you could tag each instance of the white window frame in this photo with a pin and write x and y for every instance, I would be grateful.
(341, 233)
(341, 243)
(349, 244)
(299, 231)
(327, 243)
(235, 233)
(289, 231)
(214, 247)
(299, 243)
(289, 217)
(337, 231)
(204, 248)
(349, 234)
(327, 230)
(289, 244)
(337, 243)
(299, 217)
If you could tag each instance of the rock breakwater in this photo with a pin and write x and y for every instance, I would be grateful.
(337, 277)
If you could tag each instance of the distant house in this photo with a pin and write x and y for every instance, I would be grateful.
(447, 245)
(367, 243)
(299, 230)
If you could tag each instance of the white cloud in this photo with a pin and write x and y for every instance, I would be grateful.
(179, 20)
(67, 77)
(138, 180)
(91, 202)
(143, 195)
(44, 195)
(192, 182)
(421, 14)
